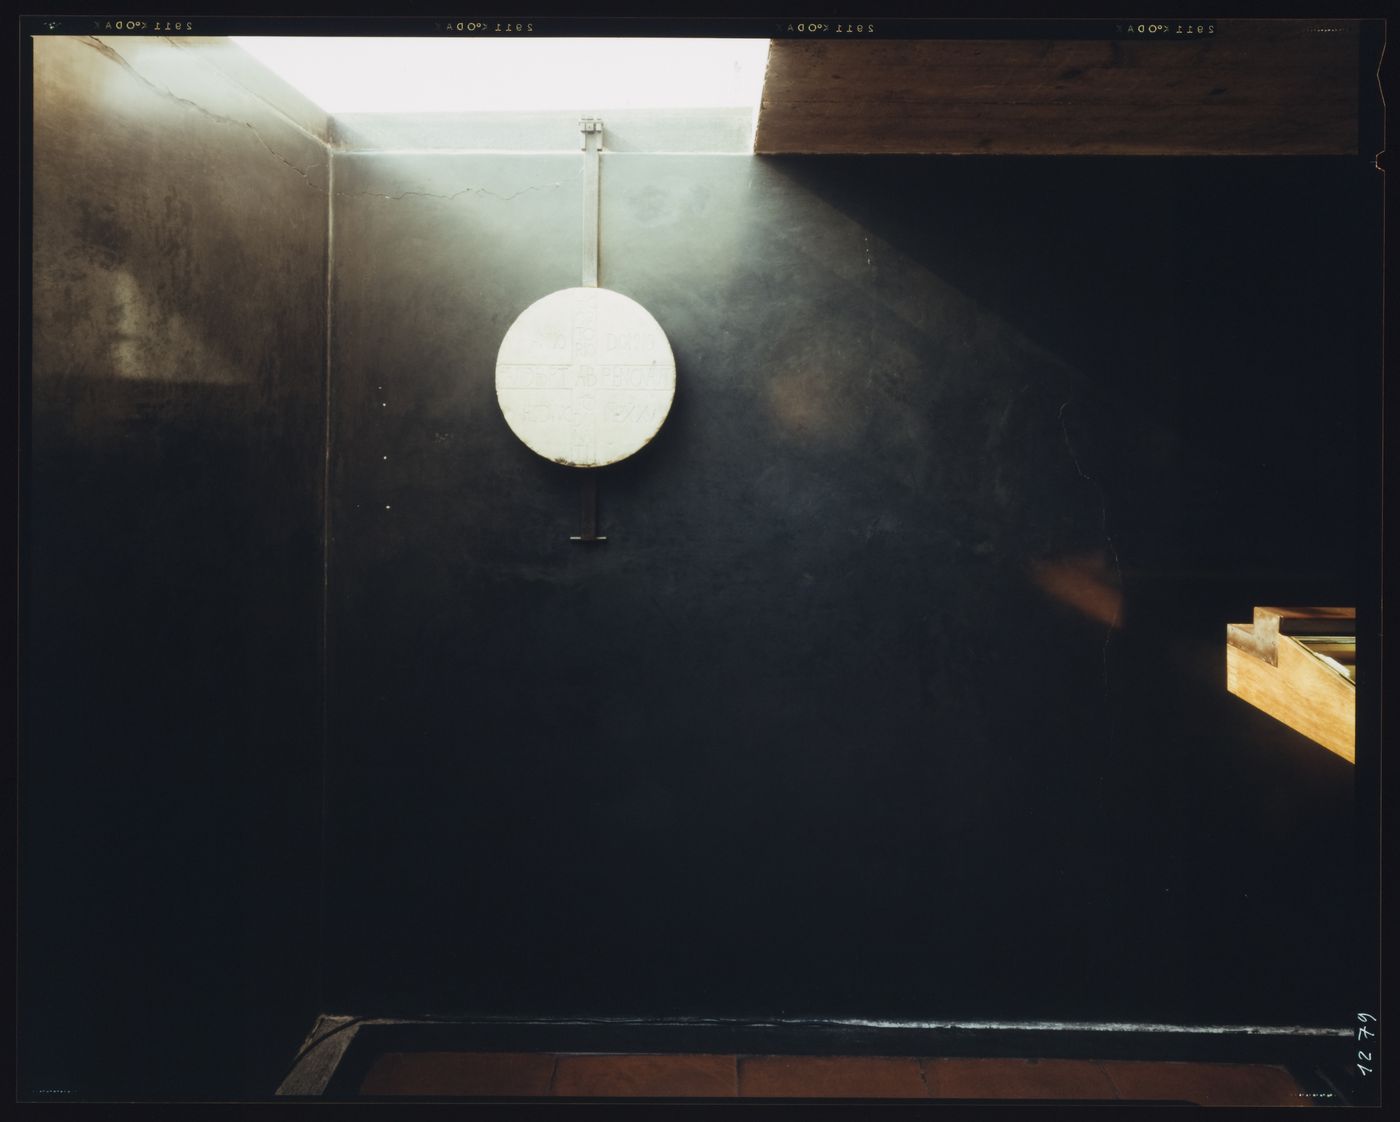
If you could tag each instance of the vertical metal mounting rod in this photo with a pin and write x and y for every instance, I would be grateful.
(588, 509)
(592, 129)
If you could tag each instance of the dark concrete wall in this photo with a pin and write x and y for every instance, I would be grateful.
(896, 691)
(898, 687)
(170, 778)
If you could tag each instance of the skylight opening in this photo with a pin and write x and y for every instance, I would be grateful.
(353, 75)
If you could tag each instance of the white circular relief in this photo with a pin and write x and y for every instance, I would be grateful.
(585, 377)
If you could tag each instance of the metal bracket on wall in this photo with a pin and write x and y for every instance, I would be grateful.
(588, 509)
(592, 129)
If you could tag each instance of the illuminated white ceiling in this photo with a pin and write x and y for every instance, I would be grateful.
(354, 75)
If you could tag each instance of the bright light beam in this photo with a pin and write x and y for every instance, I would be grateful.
(349, 75)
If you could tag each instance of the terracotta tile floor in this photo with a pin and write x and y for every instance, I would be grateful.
(678, 1076)
(1019, 1079)
(832, 1077)
(581, 1075)
(460, 1073)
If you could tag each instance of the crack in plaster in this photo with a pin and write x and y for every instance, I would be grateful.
(455, 194)
(101, 47)
(1108, 538)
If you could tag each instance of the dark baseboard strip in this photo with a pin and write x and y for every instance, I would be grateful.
(336, 1067)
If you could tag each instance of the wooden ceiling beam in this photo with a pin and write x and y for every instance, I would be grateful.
(1258, 87)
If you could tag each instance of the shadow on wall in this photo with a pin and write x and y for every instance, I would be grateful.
(916, 357)
(172, 748)
(1194, 310)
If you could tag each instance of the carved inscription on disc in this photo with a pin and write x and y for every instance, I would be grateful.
(585, 377)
